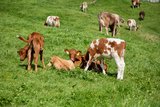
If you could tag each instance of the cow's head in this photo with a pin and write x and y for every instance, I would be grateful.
(73, 54)
(23, 53)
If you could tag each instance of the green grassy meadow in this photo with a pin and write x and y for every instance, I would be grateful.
(53, 88)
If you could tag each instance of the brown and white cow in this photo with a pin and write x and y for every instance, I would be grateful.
(141, 15)
(132, 24)
(135, 3)
(53, 21)
(109, 20)
(60, 63)
(108, 47)
(80, 60)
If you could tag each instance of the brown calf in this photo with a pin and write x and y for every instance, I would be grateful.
(81, 60)
(60, 63)
(32, 49)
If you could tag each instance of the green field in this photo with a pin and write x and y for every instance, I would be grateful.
(52, 88)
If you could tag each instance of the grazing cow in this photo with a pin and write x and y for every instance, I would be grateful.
(52, 21)
(60, 63)
(84, 5)
(109, 20)
(32, 49)
(132, 24)
(135, 3)
(81, 60)
(109, 47)
(141, 15)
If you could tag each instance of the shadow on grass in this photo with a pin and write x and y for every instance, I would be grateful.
(32, 66)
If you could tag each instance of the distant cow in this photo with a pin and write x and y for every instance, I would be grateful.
(34, 47)
(109, 20)
(84, 5)
(81, 60)
(109, 47)
(60, 63)
(141, 15)
(132, 24)
(135, 3)
(53, 21)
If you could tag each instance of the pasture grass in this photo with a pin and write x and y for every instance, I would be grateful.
(54, 88)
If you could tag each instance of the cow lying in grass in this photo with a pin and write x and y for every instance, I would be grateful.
(135, 3)
(34, 47)
(109, 20)
(81, 60)
(132, 24)
(108, 47)
(53, 21)
(61, 64)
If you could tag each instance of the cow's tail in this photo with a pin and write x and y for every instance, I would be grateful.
(21, 38)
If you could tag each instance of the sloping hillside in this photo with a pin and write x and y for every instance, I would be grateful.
(77, 88)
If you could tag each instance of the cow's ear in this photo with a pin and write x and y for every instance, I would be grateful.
(78, 53)
(66, 51)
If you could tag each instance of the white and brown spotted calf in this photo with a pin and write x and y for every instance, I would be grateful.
(53, 21)
(132, 24)
(108, 47)
(135, 3)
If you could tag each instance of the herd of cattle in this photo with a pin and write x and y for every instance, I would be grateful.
(108, 47)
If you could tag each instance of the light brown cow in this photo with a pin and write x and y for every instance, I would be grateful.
(135, 3)
(109, 20)
(60, 63)
(109, 47)
(80, 60)
(32, 49)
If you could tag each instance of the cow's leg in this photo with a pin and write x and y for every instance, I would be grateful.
(122, 68)
(118, 63)
(42, 58)
(100, 26)
(88, 63)
(29, 60)
(106, 27)
(36, 60)
(102, 66)
(114, 30)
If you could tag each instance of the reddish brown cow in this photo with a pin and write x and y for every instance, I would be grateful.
(135, 3)
(60, 63)
(109, 47)
(81, 60)
(108, 20)
(32, 49)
